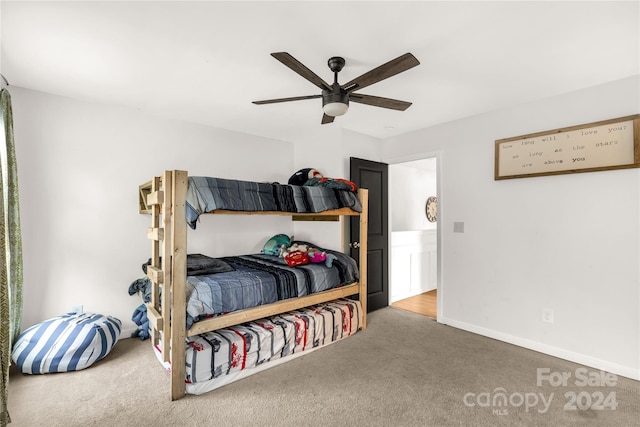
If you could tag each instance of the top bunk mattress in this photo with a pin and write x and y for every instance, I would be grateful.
(206, 194)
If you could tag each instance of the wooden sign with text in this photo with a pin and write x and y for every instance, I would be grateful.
(605, 145)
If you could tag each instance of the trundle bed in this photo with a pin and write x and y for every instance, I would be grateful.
(306, 307)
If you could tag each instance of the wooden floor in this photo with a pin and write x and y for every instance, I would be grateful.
(424, 304)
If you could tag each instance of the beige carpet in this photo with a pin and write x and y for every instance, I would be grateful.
(404, 370)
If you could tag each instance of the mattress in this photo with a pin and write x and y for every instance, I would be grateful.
(228, 284)
(214, 359)
(260, 279)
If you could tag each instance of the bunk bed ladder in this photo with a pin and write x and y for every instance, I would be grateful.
(158, 308)
(166, 200)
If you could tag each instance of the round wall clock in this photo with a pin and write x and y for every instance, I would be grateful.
(432, 209)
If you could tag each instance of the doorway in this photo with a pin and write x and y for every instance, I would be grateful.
(414, 279)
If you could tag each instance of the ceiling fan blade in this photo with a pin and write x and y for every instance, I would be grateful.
(378, 101)
(295, 98)
(391, 68)
(327, 119)
(299, 68)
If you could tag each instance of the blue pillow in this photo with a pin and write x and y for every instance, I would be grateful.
(70, 342)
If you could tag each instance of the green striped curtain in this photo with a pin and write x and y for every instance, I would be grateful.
(10, 250)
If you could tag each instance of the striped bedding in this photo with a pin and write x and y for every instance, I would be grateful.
(207, 194)
(214, 359)
(262, 279)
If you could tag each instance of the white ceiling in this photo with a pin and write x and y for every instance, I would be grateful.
(205, 61)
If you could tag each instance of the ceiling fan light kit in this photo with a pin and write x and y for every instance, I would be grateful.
(335, 103)
(335, 109)
(335, 97)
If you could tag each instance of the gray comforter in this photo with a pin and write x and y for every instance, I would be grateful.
(207, 194)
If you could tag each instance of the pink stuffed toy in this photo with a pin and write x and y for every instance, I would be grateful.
(316, 256)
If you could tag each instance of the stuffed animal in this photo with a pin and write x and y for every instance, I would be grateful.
(317, 257)
(294, 258)
(300, 254)
(329, 260)
(284, 251)
(274, 245)
(296, 254)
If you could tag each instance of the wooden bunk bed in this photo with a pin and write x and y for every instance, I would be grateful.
(164, 198)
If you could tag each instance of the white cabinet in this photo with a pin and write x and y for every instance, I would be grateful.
(413, 263)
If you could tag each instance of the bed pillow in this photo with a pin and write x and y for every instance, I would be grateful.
(198, 265)
(70, 342)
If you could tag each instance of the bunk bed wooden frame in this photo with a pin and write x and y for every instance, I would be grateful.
(164, 198)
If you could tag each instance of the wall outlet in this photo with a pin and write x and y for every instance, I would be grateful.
(76, 309)
(547, 315)
(458, 227)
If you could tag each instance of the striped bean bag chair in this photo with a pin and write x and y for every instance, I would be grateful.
(70, 342)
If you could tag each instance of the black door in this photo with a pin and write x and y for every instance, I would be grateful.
(374, 177)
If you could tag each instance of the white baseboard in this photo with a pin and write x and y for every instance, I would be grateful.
(561, 353)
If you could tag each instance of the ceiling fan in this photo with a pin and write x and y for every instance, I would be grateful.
(336, 97)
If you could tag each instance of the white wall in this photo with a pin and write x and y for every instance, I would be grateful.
(79, 168)
(409, 189)
(569, 243)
